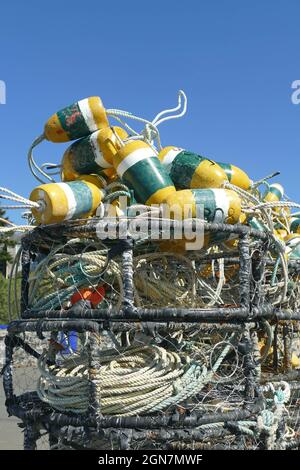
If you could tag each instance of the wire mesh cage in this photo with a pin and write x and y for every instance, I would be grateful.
(136, 344)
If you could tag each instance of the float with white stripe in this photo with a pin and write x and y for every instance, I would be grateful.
(65, 201)
(141, 170)
(91, 155)
(189, 170)
(77, 120)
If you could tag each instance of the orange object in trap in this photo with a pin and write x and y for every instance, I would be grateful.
(94, 295)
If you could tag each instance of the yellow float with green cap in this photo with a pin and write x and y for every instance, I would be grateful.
(275, 193)
(218, 205)
(236, 176)
(59, 202)
(295, 225)
(141, 170)
(77, 120)
(91, 154)
(189, 170)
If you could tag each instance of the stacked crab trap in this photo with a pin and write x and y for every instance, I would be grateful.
(133, 334)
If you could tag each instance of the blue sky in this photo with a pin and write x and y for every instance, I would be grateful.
(236, 61)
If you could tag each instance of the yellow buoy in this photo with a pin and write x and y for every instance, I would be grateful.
(189, 170)
(295, 361)
(295, 224)
(65, 201)
(216, 205)
(91, 155)
(141, 170)
(77, 120)
(236, 176)
(275, 193)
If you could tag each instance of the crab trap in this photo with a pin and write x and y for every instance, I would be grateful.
(138, 348)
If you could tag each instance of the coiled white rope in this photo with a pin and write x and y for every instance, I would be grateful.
(136, 381)
(154, 133)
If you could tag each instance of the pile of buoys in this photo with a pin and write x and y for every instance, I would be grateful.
(171, 175)
(105, 154)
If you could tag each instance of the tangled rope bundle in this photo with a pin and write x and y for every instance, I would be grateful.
(64, 275)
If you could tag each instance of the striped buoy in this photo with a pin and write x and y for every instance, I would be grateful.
(65, 201)
(275, 193)
(189, 170)
(217, 205)
(91, 154)
(293, 246)
(77, 120)
(295, 225)
(140, 169)
(236, 176)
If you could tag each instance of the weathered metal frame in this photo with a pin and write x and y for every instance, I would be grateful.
(248, 312)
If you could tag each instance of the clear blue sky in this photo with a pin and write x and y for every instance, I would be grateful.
(235, 59)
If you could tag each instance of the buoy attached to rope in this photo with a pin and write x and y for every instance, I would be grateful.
(236, 176)
(189, 170)
(77, 120)
(275, 193)
(91, 154)
(65, 201)
(295, 225)
(141, 170)
(216, 205)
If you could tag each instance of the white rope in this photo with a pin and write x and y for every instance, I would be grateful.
(150, 131)
(6, 221)
(14, 197)
(53, 168)
(267, 205)
(34, 167)
(20, 206)
(10, 195)
(17, 228)
(181, 96)
(127, 114)
(134, 381)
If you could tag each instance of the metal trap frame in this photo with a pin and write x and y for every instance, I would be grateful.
(175, 428)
